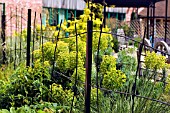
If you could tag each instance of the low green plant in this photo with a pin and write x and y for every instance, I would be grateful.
(137, 40)
(167, 88)
(26, 86)
(116, 45)
(43, 107)
(112, 78)
(126, 62)
(154, 61)
(130, 42)
(128, 30)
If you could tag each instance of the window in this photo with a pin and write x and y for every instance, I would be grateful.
(53, 16)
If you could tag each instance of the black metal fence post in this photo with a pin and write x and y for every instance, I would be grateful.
(3, 38)
(153, 26)
(88, 65)
(10, 36)
(21, 39)
(28, 37)
(148, 22)
(33, 41)
(166, 19)
(15, 47)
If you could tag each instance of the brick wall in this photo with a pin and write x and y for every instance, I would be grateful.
(14, 7)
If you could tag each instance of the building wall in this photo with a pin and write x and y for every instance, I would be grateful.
(36, 6)
(65, 4)
(14, 7)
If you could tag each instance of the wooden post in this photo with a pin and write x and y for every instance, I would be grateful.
(88, 65)
(28, 37)
(166, 19)
(3, 38)
(148, 22)
(153, 27)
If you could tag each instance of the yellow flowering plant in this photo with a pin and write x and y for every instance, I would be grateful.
(112, 78)
(155, 61)
(60, 95)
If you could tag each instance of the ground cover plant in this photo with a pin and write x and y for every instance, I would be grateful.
(57, 76)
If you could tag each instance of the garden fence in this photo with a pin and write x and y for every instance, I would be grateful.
(20, 47)
(137, 27)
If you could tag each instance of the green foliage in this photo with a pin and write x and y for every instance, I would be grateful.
(97, 9)
(130, 42)
(80, 76)
(33, 90)
(94, 97)
(104, 44)
(128, 65)
(25, 85)
(81, 46)
(107, 64)
(136, 41)
(65, 61)
(154, 61)
(43, 107)
(112, 78)
(116, 45)
(60, 95)
(128, 30)
(48, 50)
(5, 72)
(126, 62)
(167, 88)
(30, 86)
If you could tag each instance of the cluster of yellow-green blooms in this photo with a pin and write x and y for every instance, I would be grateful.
(112, 78)
(66, 48)
(155, 61)
(60, 94)
(94, 96)
(38, 66)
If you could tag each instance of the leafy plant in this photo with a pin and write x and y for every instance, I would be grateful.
(128, 30)
(112, 78)
(136, 41)
(126, 62)
(26, 85)
(167, 88)
(116, 45)
(154, 61)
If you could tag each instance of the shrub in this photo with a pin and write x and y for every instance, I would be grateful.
(136, 42)
(112, 78)
(116, 45)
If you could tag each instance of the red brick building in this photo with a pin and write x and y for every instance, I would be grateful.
(15, 8)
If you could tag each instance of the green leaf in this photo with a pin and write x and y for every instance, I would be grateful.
(4, 111)
(40, 111)
(12, 110)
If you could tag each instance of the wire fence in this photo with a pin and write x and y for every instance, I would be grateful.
(16, 49)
